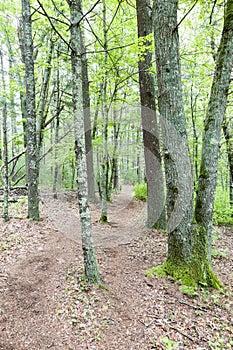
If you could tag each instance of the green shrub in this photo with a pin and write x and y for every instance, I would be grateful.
(223, 214)
(140, 191)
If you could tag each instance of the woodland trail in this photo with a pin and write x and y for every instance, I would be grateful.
(126, 218)
(45, 302)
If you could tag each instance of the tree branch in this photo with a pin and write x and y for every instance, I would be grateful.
(54, 28)
(187, 13)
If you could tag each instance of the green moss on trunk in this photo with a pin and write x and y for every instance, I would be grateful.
(195, 271)
(189, 275)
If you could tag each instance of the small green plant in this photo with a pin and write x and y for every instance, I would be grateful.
(188, 290)
(220, 253)
(140, 191)
(170, 344)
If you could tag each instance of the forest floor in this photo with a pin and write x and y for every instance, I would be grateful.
(45, 302)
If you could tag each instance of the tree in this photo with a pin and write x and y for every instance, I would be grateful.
(32, 154)
(154, 175)
(189, 240)
(5, 146)
(90, 264)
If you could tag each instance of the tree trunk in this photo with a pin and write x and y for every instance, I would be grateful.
(44, 95)
(229, 145)
(87, 124)
(189, 244)
(212, 132)
(5, 147)
(32, 161)
(155, 185)
(90, 264)
(104, 163)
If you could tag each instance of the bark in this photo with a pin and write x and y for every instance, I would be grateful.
(229, 145)
(213, 126)
(87, 124)
(114, 182)
(32, 163)
(5, 148)
(155, 185)
(90, 264)
(6, 168)
(170, 100)
(188, 244)
(104, 163)
(41, 115)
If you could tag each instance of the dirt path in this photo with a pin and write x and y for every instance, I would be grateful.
(46, 304)
(126, 218)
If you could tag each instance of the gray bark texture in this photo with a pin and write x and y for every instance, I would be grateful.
(87, 124)
(90, 264)
(5, 147)
(104, 162)
(189, 242)
(175, 145)
(156, 216)
(32, 159)
(214, 123)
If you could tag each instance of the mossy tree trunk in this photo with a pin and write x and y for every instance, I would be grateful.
(213, 126)
(155, 185)
(32, 154)
(175, 146)
(90, 264)
(189, 238)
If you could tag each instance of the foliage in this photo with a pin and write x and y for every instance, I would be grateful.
(170, 344)
(140, 191)
(223, 213)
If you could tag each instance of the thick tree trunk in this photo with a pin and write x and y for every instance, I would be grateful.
(32, 161)
(90, 264)
(213, 126)
(189, 244)
(176, 159)
(156, 216)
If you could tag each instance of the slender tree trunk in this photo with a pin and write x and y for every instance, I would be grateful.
(87, 124)
(57, 101)
(44, 95)
(104, 163)
(90, 264)
(32, 161)
(5, 146)
(156, 216)
(6, 168)
(229, 145)
(195, 138)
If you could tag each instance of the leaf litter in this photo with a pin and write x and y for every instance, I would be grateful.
(46, 302)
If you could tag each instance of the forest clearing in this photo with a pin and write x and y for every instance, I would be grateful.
(47, 304)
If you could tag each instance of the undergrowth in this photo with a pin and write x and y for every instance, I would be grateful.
(140, 191)
(223, 213)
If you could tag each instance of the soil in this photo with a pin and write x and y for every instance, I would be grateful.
(45, 302)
